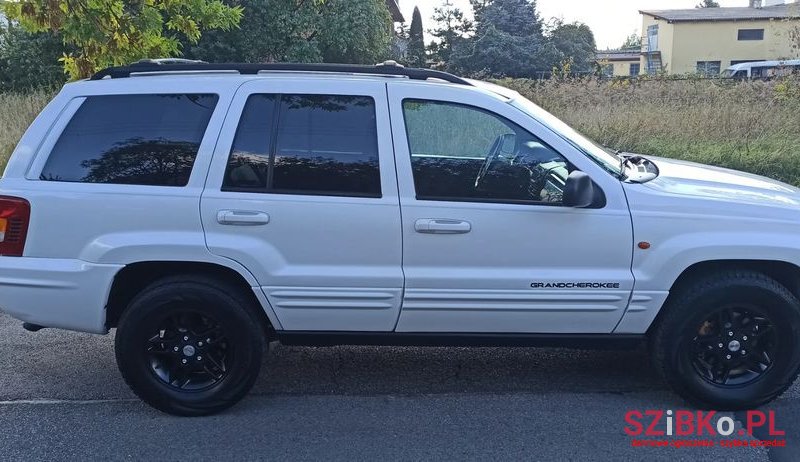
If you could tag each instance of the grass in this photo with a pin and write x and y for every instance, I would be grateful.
(749, 126)
(19, 110)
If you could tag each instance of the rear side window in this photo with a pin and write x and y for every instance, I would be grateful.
(306, 144)
(132, 139)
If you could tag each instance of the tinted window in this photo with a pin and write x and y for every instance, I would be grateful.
(248, 165)
(751, 34)
(131, 139)
(464, 153)
(321, 144)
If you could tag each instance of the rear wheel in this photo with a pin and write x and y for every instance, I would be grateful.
(729, 341)
(190, 346)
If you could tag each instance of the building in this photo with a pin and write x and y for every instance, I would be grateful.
(394, 8)
(620, 63)
(707, 40)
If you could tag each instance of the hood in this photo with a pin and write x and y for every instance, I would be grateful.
(704, 181)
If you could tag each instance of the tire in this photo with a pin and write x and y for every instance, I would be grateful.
(722, 309)
(190, 346)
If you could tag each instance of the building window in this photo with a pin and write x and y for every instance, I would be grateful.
(709, 68)
(751, 34)
(652, 38)
(635, 69)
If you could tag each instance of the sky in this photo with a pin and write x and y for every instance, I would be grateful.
(611, 20)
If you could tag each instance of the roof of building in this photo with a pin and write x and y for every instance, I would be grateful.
(630, 54)
(394, 8)
(789, 11)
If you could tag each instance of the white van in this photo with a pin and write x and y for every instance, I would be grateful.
(762, 69)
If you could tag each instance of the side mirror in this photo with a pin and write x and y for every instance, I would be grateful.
(581, 192)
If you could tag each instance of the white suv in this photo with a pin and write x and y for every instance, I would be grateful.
(205, 210)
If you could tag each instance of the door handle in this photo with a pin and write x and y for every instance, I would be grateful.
(442, 226)
(242, 218)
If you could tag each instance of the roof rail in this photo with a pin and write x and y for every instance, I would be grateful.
(388, 68)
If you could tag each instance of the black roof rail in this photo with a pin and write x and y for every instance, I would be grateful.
(389, 68)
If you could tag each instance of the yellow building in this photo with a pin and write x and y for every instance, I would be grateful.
(708, 40)
(620, 63)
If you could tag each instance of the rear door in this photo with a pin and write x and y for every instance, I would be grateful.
(302, 191)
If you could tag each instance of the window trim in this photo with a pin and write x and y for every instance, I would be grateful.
(504, 119)
(71, 108)
(269, 189)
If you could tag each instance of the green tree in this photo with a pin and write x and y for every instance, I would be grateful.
(632, 41)
(451, 28)
(575, 44)
(353, 31)
(29, 60)
(416, 41)
(708, 4)
(116, 32)
(508, 41)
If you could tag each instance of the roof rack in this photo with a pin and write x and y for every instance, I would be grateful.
(388, 68)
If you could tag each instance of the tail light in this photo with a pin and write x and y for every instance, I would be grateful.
(15, 215)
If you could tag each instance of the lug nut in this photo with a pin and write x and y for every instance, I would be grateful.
(744, 338)
(721, 345)
(744, 352)
(199, 358)
(201, 343)
(184, 360)
(187, 337)
(208, 340)
(175, 349)
(728, 357)
(730, 334)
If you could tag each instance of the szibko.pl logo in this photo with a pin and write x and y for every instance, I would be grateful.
(696, 428)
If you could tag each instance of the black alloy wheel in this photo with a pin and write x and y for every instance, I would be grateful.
(189, 351)
(734, 346)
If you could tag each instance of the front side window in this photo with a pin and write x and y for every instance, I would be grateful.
(306, 144)
(132, 139)
(463, 153)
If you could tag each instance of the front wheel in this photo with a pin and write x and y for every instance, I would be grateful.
(189, 346)
(729, 341)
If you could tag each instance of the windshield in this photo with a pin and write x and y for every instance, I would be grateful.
(728, 73)
(599, 154)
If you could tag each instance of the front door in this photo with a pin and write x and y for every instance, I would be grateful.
(488, 245)
(302, 192)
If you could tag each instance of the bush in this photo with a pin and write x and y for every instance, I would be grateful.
(29, 60)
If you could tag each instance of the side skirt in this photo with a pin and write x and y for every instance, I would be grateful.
(580, 341)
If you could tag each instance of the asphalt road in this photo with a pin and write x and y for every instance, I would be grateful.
(61, 398)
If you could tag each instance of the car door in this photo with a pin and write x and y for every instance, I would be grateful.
(488, 246)
(302, 192)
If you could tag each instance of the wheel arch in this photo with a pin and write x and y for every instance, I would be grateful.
(135, 277)
(785, 273)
